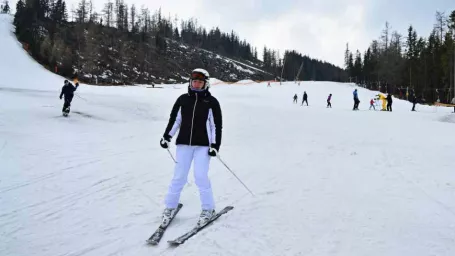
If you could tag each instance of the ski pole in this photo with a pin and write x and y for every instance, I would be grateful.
(229, 169)
(171, 155)
(80, 97)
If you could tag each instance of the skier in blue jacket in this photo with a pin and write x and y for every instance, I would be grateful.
(356, 100)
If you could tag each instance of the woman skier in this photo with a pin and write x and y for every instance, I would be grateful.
(197, 116)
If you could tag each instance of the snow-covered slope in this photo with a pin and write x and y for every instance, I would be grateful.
(326, 181)
(17, 68)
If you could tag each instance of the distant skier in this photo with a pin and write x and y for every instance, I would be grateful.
(356, 100)
(389, 102)
(453, 102)
(372, 104)
(305, 98)
(329, 104)
(68, 90)
(295, 98)
(197, 116)
(414, 102)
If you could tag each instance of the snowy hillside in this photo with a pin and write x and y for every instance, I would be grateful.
(326, 181)
(96, 58)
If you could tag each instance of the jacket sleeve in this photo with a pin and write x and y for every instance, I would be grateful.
(176, 125)
(174, 120)
(218, 121)
(61, 93)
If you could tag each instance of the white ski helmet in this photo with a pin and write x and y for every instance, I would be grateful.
(200, 74)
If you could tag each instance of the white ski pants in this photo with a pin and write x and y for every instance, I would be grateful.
(184, 156)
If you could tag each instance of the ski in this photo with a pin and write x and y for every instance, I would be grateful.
(155, 238)
(180, 240)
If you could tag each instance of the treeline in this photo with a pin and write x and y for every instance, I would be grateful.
(410, 65)
(299, 67)
(132, 41)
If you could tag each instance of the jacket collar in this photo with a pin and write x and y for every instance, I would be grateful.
(204, 93)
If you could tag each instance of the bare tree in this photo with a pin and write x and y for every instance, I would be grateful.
(58, 50)
(109, 12)
(386, 36)
(91, 51)
(441, 24)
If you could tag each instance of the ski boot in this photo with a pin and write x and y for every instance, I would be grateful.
(66, 111)
(168, 213)
(205, 216)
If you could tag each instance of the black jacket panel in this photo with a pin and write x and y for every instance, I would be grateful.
(192, 111)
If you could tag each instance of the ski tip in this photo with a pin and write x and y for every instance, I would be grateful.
(174, 243)
(151, 242)
(226, 209)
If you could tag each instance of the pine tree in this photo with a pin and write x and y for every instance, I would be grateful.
(350, 66)
(411, 55)
(357, 69)
(133, 19)
(5, 8)
(109, 12)
(20, 10)
(82, 12)
(451, 22)
(346, 56)
(265, 57)
(64, 12)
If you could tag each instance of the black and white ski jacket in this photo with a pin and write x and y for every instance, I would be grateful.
(197, 116)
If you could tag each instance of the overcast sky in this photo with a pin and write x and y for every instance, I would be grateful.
(318, 28)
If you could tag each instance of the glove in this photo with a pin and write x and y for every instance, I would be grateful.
(165, 141)
(213, 150)
(60, 97)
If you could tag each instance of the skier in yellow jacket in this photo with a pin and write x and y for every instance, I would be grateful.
(384, 101)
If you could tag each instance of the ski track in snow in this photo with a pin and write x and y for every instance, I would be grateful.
(326, 181)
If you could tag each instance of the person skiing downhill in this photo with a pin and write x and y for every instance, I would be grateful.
(389, 102)
(197, 116)
(305, 98)
(356, 100)
(414, 102)
(329, 104)
(68, 91)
